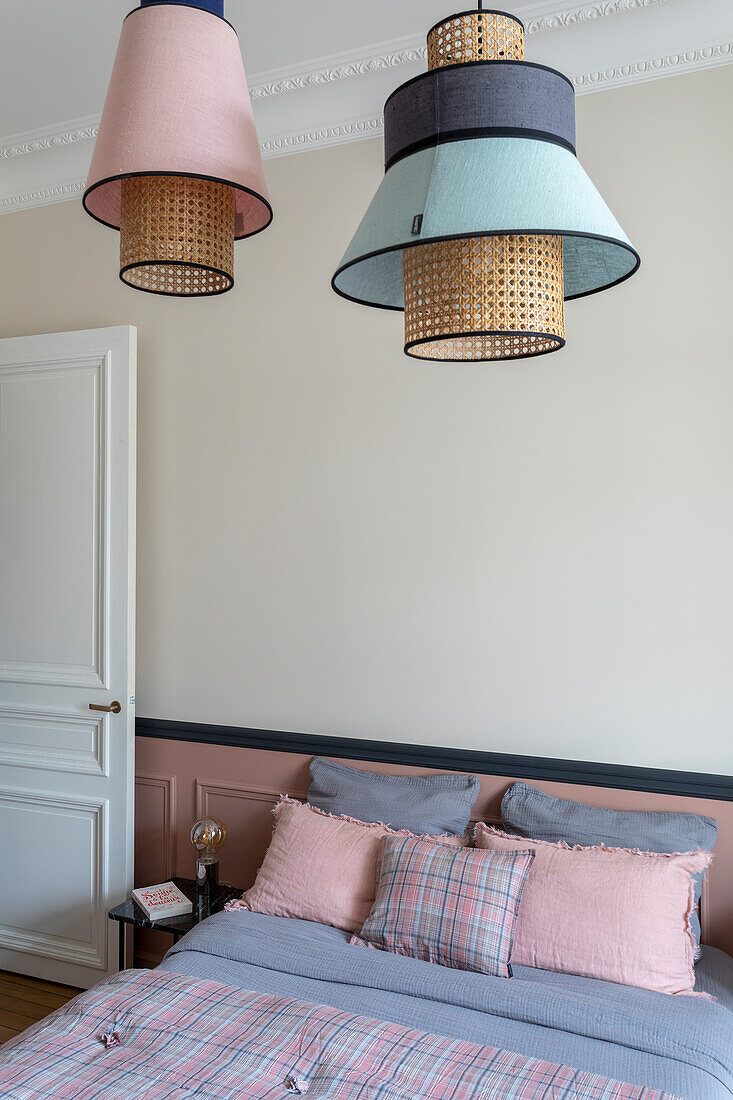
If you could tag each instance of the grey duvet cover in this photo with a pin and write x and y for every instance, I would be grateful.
(681, 1045)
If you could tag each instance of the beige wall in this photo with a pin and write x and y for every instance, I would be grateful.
(532, 557)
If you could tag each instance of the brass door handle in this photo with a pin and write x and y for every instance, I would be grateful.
(113, 708)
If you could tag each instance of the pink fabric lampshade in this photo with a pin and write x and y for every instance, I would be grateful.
(178, 105)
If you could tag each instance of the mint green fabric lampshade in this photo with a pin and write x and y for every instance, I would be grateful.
(485, 222)
(479, 187)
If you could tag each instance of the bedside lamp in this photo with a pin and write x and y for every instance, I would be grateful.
(207, 836)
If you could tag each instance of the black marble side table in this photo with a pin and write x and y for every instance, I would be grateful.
(129, 912)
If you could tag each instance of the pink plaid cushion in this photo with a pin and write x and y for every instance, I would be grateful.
(451, 906)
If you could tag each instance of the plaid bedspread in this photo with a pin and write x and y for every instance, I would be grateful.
(165, 1036)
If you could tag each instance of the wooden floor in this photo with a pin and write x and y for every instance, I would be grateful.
(23, 1001)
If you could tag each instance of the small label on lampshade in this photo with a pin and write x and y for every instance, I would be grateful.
(416, 224)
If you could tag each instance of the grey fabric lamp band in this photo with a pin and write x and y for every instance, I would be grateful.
(475, 99)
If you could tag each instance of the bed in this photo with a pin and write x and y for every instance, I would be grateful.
(678, 1045)
(612, 1037)
(251, 1005)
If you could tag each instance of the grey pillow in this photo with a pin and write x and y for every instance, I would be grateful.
(426, 805)
(529, 812)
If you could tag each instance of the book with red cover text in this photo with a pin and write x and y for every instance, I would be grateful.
(163, 900)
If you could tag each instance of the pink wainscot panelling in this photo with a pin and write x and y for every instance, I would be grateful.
(179, 781)
(238, 786)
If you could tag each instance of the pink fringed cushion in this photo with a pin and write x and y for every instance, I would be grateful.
(609, 913)
(457, 907)
(321, 868)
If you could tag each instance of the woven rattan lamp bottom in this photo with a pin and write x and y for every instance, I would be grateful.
(177, 235)
(479, 298)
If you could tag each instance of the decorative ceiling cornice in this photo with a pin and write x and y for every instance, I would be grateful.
(652, 67)
(598, 80)
(394, 54)
(41, 196)
(412, 51)
(356, 130)
(586, 14)
(38, 141)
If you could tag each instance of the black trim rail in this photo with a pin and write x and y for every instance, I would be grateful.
(617, 776)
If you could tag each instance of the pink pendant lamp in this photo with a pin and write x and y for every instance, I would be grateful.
(177, 166)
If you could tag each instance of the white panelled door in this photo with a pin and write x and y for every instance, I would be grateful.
(67, 601)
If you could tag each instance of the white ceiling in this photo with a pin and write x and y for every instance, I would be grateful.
(319, 72)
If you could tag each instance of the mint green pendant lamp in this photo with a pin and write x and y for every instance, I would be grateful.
(485, 221)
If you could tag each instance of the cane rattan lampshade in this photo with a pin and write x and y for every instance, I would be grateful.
(177, 166)
(485, 222)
